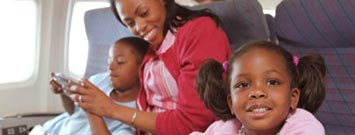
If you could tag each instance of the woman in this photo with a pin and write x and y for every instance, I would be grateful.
(180, 40)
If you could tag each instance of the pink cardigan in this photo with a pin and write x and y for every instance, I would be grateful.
(301, 122)
(196, 41)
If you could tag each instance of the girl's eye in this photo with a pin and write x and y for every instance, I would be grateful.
(273, 82)
(242, 85)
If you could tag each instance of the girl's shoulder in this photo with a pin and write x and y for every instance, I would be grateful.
(302, 122)
(220, 127)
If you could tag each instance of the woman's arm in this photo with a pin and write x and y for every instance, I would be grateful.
(144, 120)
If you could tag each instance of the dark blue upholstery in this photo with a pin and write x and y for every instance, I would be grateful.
(326, 27)
(271, 24)
(243, 20)
(317, 23)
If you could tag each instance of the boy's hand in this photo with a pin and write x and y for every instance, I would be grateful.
(54, 86)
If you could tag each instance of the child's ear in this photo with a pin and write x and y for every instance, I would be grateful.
(230, 104)
(295, 96)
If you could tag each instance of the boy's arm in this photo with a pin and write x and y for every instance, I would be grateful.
(68, 104)
(97, 125)
(56, 88)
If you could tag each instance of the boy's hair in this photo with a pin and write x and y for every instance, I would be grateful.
(139, 46)
(308, 76)
(176, 15)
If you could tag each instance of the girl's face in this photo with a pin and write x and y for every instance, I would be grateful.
(123, 67)
(144, 18)
(261, 96)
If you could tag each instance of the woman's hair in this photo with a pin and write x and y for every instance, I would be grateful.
(139, 46)
(176, 15)
(308, 75)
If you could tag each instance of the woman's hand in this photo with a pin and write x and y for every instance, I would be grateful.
(91, 98)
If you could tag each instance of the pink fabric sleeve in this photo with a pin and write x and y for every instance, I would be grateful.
(196, 41)
(302, 122)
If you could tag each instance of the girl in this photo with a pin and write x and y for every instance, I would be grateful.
(180, 40)
(262, 91)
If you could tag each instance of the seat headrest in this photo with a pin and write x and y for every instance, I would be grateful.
(313, 23)
(102, 30)
(243, 20)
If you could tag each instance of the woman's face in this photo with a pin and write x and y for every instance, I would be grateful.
(261, 96)
(144, 18)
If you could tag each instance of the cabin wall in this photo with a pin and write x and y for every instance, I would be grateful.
(35, 95)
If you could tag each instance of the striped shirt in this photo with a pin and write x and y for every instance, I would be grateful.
(160, 86)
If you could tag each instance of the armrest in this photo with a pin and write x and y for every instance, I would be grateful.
(21, 123)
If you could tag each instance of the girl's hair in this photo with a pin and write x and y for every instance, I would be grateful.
(308, 75)
(139, 46)
(312, 70)
(212, 88)
(176, 15)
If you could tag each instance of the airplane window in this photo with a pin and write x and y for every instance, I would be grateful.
(78, 43)
(269, 6)
(270, 12)
(18, 28)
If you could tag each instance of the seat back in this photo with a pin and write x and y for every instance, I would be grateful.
(326, 27)
(102, 30)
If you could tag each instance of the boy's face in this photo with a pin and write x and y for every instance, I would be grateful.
(123, 67)
(260, 91)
